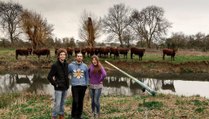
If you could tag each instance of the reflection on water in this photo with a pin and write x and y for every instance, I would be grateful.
(35, 83)
(113, 85)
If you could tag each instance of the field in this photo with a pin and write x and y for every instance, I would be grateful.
(32, 106)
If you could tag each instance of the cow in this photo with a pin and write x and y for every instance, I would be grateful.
(123, 51)
(83, 51)
(97, 51)
(77, 50)
(104, 52)
(55, 51)
(43, 51)
(69, 51)
(137, 51)
(169, 52)
(23, 52)
(90, 51)
(114, 51)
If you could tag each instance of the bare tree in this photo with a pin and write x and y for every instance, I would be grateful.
(177, 40)
(36, 27)
(72, 42)
(117, 21)
(150, 24)
(197, 41)
(128, 37)
(90, 28)
(10, 19)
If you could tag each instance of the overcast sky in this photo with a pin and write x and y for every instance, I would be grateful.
(187, 16)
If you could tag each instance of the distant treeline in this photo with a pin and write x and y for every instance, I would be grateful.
(199, 41)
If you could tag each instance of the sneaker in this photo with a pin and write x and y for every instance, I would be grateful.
(97, 116)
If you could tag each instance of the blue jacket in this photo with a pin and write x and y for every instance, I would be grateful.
(79, 74)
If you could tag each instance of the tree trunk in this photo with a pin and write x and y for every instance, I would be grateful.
(11, 38)
(149, 43)
(120, 39)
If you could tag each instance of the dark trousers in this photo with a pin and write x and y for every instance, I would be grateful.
(78, 93)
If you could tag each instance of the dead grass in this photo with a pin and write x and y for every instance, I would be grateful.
(28, 106)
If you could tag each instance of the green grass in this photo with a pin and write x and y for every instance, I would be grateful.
(153, 105)
(178, 58)
(6, 99)
(9, 55)
(200, 109)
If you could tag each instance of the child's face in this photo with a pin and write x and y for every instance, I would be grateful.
(94, 61)
(62, 56)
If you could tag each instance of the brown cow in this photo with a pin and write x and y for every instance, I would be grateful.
(89, 51)
(137, 51)
(114, 51)
(24, 52)
(104, 52)
(97, 51)
(55, 51)
(40, 52)
(77, 50)
(83, 51)
(123, 51)
(69, 51)
(169, 52)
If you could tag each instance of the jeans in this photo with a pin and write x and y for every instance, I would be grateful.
(78, 93)
(59, 100)
(95, 96)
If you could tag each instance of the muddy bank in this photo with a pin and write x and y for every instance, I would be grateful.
(199, 70)
(164, 67)
(146, 68)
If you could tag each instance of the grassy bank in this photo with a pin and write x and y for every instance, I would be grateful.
(32, 106)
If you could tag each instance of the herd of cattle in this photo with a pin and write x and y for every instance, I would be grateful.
(102, 52)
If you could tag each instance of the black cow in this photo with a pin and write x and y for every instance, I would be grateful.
(137, 51)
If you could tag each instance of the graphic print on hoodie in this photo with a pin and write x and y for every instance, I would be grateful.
(78, 73)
